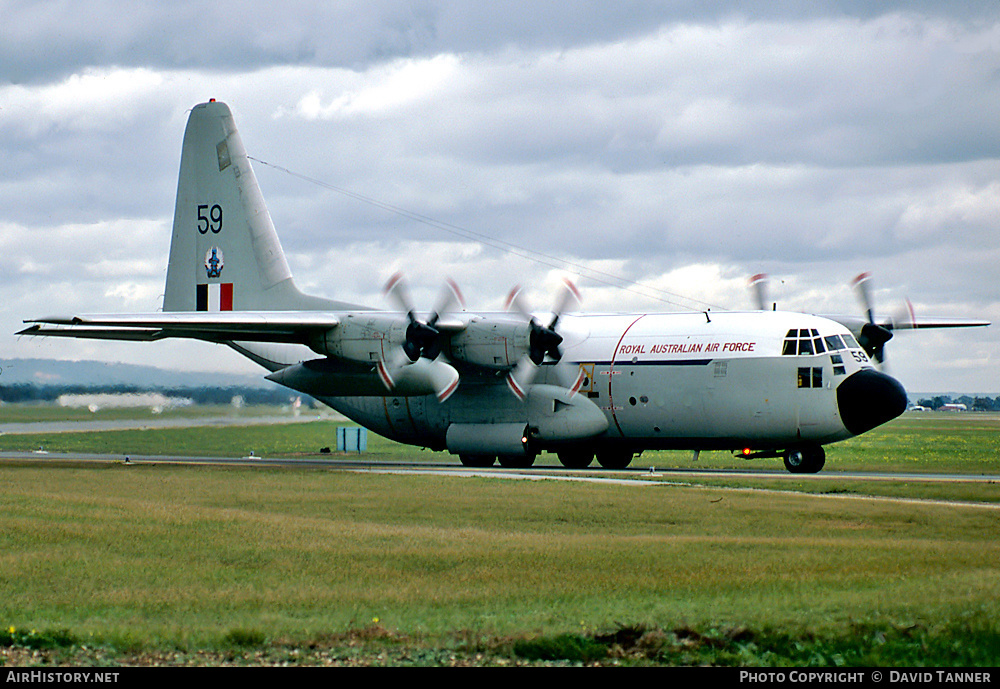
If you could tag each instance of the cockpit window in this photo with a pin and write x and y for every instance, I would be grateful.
(803, 341)
(833, 343)
(851, 342)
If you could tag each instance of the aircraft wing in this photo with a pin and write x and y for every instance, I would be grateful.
(872, 335)
(856, 323)
(924, 323)
(253, 326)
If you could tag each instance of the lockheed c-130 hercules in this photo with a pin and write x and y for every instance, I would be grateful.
(503, 386)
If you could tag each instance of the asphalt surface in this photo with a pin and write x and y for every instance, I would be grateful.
(358, 462)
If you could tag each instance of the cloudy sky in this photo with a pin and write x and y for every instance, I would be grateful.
(662, 153)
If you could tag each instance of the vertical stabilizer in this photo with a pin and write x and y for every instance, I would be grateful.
(224, 252)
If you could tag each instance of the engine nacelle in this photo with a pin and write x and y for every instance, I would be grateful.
(497, 343)
(555, 415)
(337, 378)
(364, 338)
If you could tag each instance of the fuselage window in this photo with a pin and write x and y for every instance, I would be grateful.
(838, 364)
(810, 377)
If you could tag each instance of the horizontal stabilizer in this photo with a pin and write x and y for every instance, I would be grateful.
(251, 326)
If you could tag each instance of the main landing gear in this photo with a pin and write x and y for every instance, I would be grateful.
(582, 457)
(571, 458)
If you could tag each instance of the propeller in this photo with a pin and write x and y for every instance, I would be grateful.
(418, 359)
(543, 340)
(873, 336)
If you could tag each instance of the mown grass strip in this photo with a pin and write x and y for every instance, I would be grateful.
(191, 553)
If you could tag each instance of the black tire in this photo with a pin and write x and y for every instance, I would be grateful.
(477, 461)
(516, 461)
(576, 458)
(614, 458)
(805, 460)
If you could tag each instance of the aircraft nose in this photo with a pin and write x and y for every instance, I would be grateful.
(868, 398)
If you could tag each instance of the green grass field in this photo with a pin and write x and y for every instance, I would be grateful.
(108, 563)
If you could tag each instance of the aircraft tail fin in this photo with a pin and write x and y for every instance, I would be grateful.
(224, 251)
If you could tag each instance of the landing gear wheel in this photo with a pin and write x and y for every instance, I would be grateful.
(477, 461)
(614, 459)
(805, 460)
(516, 461)
(576, 458)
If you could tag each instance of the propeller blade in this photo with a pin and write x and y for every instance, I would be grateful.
(389, 369)
(521, 376)
(542, 340)
(422, 376)
(416, 367)
(451, 296)
(873, 336)
(904, 318)
(861, 285)
(568, 295)
(758, 285)
(423, 339)
(515, 302)
(519, 380)
(442, 377)
(396, 292)
(570, 376)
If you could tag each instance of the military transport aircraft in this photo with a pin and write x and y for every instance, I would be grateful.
(503, 386)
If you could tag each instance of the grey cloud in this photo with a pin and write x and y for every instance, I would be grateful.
(639, 140)
(45, 41)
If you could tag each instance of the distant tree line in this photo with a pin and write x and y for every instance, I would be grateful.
(971, 403)
(25, 392)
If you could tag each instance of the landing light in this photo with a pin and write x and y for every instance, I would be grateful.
(747, 452)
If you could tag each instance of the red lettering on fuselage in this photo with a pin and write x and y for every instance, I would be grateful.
(686, 348)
